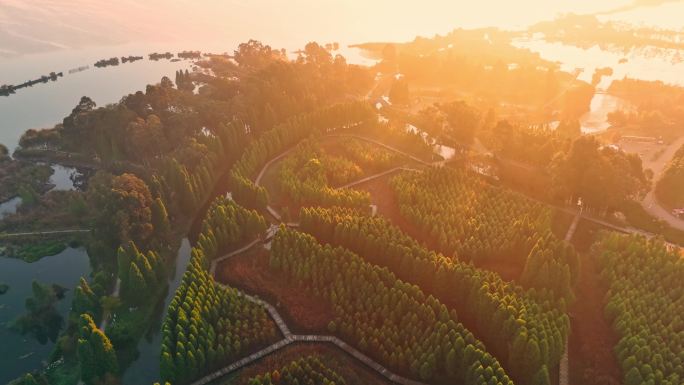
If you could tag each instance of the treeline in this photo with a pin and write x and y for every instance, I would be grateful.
(531, 144)
(527, 328)
(645, 305)
(306, 370)
(184, 81)
(208, 325)
(602, 177)
(306, 175)
(383, 316)
(283, 136)
(483, 62)
(661, 103)
(370, 157)
(96, 354)
(670, 187)
(463, 216)
(267, 94)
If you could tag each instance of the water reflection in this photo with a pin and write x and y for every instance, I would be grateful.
(19, 354)
(145, 369)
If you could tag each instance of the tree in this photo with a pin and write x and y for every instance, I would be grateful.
(399, 92)
(122, 207)
(160, 218)
(95, 352)
(253, 54)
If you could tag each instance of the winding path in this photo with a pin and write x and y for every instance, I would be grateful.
(290, 338)
(262, 172)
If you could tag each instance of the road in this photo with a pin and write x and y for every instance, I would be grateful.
(650, 201)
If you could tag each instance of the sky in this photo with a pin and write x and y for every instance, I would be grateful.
(38, 25)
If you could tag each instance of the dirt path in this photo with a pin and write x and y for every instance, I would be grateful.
(591, 345)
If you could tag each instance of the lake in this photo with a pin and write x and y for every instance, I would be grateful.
(640, 63)
(19, 354)
(46, 104)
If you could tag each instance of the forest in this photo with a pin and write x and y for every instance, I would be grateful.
(644, 305)
(227, 200)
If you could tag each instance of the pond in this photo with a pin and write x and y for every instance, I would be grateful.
(145, 370)
(63, 178)
(20, 354)
(9, 207)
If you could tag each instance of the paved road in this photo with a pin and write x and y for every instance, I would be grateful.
(650, 202)
(53, 232)
(290, 338)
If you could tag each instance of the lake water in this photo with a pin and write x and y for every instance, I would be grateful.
(19, 354)
(44, 105)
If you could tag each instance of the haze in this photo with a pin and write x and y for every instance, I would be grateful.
(42, 25)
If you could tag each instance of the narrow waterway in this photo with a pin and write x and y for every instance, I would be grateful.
(145, 370)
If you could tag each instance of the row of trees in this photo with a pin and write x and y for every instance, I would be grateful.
(528, 329)
(285, 135)
(645, 304)
(306, 174)
(369, 157)
(463, 216)
(306, 370)
(139, 273)
(391, 320)
(96, 354)
(184, 81)
(226, 226)
(208, 325)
